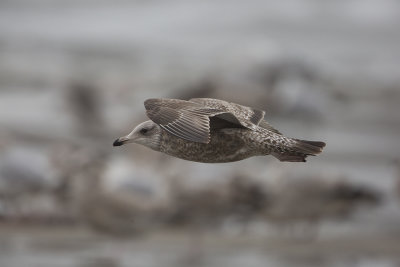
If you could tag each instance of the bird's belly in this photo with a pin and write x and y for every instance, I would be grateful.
(224, 146)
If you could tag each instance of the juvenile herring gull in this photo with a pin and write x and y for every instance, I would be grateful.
(211, 131)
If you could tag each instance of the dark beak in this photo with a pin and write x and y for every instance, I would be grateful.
(118, 142)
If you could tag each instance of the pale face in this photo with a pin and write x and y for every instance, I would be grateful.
(147, 133)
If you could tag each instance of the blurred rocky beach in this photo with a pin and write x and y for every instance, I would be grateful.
(74, 76)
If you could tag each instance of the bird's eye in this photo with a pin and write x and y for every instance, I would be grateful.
(143, 131)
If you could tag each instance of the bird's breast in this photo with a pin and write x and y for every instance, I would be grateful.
(225, 145)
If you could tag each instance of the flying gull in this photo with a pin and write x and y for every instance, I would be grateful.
(212, 131)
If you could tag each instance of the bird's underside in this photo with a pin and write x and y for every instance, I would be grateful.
(212, 130)
(225, 145)
(238, 143)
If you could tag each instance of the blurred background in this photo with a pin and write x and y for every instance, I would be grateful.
(73, 78)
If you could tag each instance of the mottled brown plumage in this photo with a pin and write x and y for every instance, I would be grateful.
(212, 130)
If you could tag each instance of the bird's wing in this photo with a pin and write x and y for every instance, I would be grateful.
(184, 119)
(246, 116)
(264, 124)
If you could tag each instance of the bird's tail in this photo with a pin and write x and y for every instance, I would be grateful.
(299, 150)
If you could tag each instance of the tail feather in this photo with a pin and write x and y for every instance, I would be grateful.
(300, 150)
(309, 147)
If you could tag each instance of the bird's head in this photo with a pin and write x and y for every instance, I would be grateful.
(147, 133)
